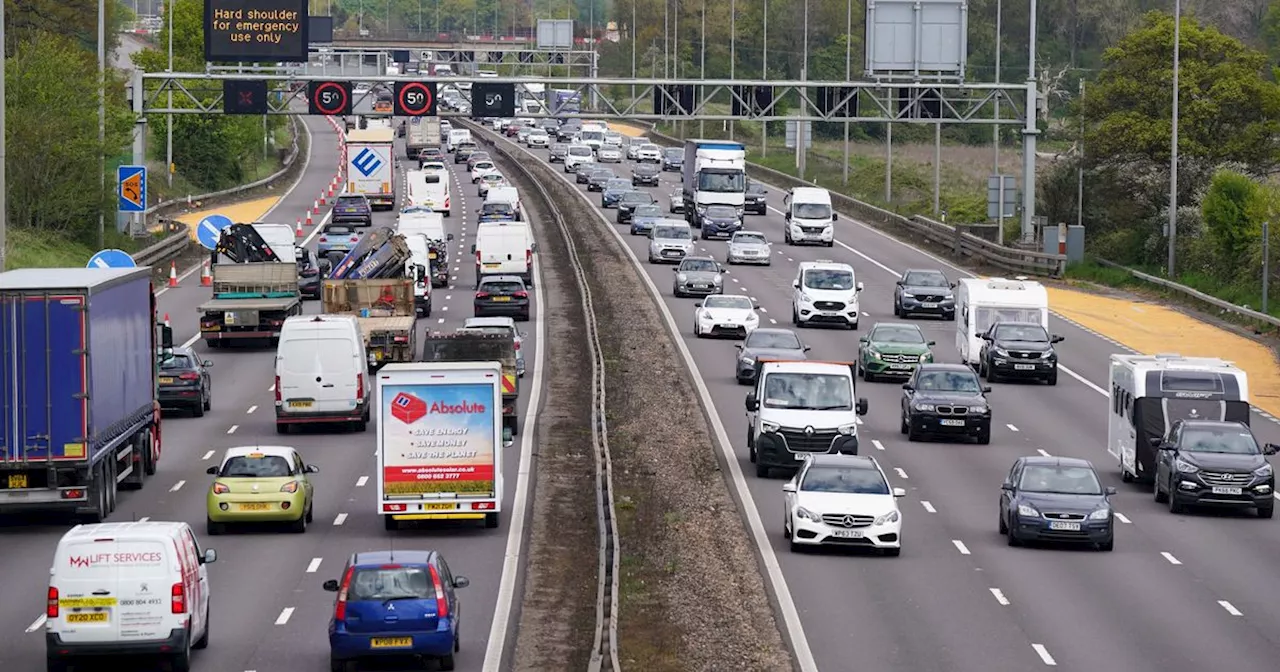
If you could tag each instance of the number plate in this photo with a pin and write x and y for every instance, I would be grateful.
(253, 506)
(439, 507)
(1217, 490)
(431, 255)
(492, 265)
(902, 367)
(92, 617)
(17, 481)
(1024, 367)
(391, 642)
(847, 534)
(1066, 527)
(502, 299)
(166, 380)
(799, 456)
(928, 304)
(951, 423)
(727, 326)
(300, 404)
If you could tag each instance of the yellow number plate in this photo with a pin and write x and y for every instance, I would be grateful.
(492, 265)
(17, 481)
(87, 602)
(254, 506)
(95, 617)
(299, 404)
(431, 255)
(379, 355)
(166, 380)
(502, 298)
(439, 507)
(391, 642)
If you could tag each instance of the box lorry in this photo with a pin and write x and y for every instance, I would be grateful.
(715, 173)
(423, 132)
(471, 346)
(371, 165)
(439, 442)
(79, 387)
(250, 301)
(386, 311)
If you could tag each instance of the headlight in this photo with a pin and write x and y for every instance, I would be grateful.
(752, 317)
(682, 277)
(891, 517)
(1100, 514)
(802, 512)
(768, 427)
(873, 353)
(291, 486)
(717, 280)
(220, 489)
(705, 317)
(908, 295)
(927, 357)
(749, 361)
(1263, 471)
(1185, 467)
(804, 298)
(1028, 510)
(928, 408)
(701, 209)
(1000, 352)
(849, 429)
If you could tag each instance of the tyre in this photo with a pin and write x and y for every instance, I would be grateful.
(299, 526)
(984, 437)
(1108, 545)
(446, 663)
(1012, 538)
(203, 642)
(213, 529)
(912, 434)
(208, 401)
(762, 471)
(197, 410)
(897, 310)
(282, 428)
(1161, 496)
(181, 661)
(1053, 377)
(1004, 529)
(903, 425)
(1175, 506)
(361, 425)
(55, 665)
(491, 521)
(148, 454)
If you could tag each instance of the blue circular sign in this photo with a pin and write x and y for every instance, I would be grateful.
(210, 229)
(111, 259)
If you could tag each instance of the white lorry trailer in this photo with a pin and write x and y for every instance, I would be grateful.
(371, 168)
(715, 173)
(440, 440)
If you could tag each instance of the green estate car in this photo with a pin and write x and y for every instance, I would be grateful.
(261, 484)
(892, 350)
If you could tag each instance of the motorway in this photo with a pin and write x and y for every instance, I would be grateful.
(1180, 592)
(269, 613)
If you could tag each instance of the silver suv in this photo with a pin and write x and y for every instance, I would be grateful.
(670, 241)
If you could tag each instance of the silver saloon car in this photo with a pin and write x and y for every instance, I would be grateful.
(750, 247)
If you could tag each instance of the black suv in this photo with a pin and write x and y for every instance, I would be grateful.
(1214, 463)
(945, 400)
(755, 199)
(1018, 350)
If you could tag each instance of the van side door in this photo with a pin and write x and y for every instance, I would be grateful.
(200, 601)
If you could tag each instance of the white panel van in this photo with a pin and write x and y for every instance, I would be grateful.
(504, 248)
(414, 220)
(322, 373)
(118, 589)
(810, 217)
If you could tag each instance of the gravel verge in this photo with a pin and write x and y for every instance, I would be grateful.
(691, 593)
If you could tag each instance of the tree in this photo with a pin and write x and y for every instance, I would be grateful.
(1225, 209)
(1228, 110)
(74, 19)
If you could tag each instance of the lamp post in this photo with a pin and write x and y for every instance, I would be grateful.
(1173, 151)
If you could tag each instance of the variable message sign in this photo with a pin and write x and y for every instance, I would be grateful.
(256, 31)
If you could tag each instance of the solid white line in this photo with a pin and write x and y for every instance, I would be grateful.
(37, 624)
(284, 616)
(251, 409)
(1043, 652)
(177, 486)
(901, 473)
(191, 340)
(272, 388)
(1011, 428)
(1169, 556)
(996, 593)
(877, 444)
(361, 481)
(928, 506)
(1122, 518)
(144, 519)
(207, 455)
(964, 550)
(314, 565)
(233, 429)
(1044, 452)
(1231, 609)
(340, 519)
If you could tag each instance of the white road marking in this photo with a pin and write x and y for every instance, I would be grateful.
(1169, 556)
(928, 506)
(1044, 452)
(773, 321)
(284, 616)
(444, 307)
(360, 482)
(964, 550)
(877, 444)
(207, 455)
(191, 340)
(996, 593)
(762, 308)
(314, 565)
(1011, 428)
(440, 321)
(901, 473)
(177, 486)
(1044, 655)
(340, 519)
(37, 624)
(251, 409)
(272, 388)
(233, 429)
(144, 519)
(1231, 609)
(1123, 518)
(448, 296)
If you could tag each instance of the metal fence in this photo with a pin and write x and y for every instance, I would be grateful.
(1195, 295)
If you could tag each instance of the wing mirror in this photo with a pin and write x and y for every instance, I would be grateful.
(986, 390)
(931, 343)
(1167, 447)
(724, 271)
(448, 236)
(900, 283)
(952, 285)
(862, 340)
(908, 387)
(212, 471)
(789, 486)
(210, 557)
(331, 585)
(795, 284)
(835, 216)
(859, 286)
(862, 406)
(738, 346)
(985, 337)
(753, 404)
(1007, 487)
(807, 348)
(1109, 490)
(1156, 441)
(473, 249)
(206, 363)
(311, 469)
(461, 582)
(1270, 449)
(675, 270)
(899, 492)
(1057, 339)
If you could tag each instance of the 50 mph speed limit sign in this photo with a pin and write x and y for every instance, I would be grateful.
(415, 99)
(329, 98)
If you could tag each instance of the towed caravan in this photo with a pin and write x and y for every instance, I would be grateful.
(1151, 392)
(981, 302)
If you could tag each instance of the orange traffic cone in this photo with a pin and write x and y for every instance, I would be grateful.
(173, 275)
(309, 219)
(166, 320)
(315, 208)
(206, 278)
(297, 230)
(322, 198)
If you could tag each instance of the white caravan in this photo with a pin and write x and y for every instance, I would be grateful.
(429, 189)
(981, 302)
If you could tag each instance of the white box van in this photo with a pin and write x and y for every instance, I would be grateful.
(321, 373)
(504, 248)
(118, 589)
(419, 257)
(456, 136)
(810, 217)
(429, 189)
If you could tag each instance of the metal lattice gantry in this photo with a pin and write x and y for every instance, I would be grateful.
(642, 99)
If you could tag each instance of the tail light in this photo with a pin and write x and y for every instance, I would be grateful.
(190, 375)
(51, 610)
(401, 339)
(324, 239)
(517, 345)
(442, 605)
(355, 239)
(477, 257)
(521, 295)
(220, 489)
(278, 400)
(528, 257)
(482, 295)
(178, 599)
(359, 386)
(340, 607)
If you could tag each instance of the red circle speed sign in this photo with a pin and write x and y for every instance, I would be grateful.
(415, 99)
(330, 98)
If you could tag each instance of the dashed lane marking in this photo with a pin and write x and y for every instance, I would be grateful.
(1123, 518)
(207, 455)
(314, 565)
(360, 482)
(251, 409)
(177, 486)
(964, 550)
(340, 519)
(284, 615)
(1011, 428)
(1044, 655)
(1231, 609)
(1043, 452)
(999, 595)
(232, 429)
(877, 444)
(1169, 556)
(901, 473)
(37, 624)
(928, 506)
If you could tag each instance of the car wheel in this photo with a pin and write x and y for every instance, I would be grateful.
(897, 310)
(203, 642)
(912, 433)
(1160, 495)
(1053, 377)
(1004, 529)
(299, 526)
(762, 471)
(982, 369)
(786, 530)
(1175, 506)
(208, 401)
(903, 425)
(197, 411)
(1012, 538)
(213, 529)
(446, 663)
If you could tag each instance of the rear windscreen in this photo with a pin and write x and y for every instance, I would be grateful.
(1190, 381)
(91, 560)
(389, 583)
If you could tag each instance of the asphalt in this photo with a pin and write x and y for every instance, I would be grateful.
(269, 611)
(1180, 592)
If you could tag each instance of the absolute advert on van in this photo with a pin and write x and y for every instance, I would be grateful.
(438, 438)
(99, 559)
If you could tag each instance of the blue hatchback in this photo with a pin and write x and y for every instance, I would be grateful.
(394, 604)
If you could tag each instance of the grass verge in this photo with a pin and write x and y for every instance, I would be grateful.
(34, 248)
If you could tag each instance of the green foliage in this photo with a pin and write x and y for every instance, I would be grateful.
(73, 19)
(1225, 209)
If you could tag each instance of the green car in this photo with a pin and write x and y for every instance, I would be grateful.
(260, 484)
(892, 350)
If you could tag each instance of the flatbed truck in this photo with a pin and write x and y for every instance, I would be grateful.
(385, 310)
(250, 301)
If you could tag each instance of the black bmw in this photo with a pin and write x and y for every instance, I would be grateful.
(945, 400)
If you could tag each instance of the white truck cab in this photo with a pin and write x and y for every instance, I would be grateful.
(825, 292)
(810, 217)
(981, 302)
(797, 409)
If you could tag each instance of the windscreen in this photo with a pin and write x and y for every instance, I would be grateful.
(845, 480)
(722, 211)
(1062, 480)
(772, 340)
(648, 211)
(501, 208)
(580, 151)
(177, 362)
(672, 233)
(896, 334)
(810, 210)
(734, 302)
(808, 391)
(925, 279)
(828, 279)
(948, 381)
(719, 182)
(637, 197)
(698, 266)
(1023, 333)
(256, 466)
(1226, 439)
(468, 350)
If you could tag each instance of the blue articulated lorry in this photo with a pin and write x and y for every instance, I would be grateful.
(78, 385)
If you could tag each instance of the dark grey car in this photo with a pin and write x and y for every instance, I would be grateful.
(673, 159)
(720, 221)
(629, 201)
(768, 343)
(557, 152)
(645, 174)
(598, 178)
(924, 292)
(697, 276)
(613, 191)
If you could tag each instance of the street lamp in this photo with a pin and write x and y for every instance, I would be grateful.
(1173, 153)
